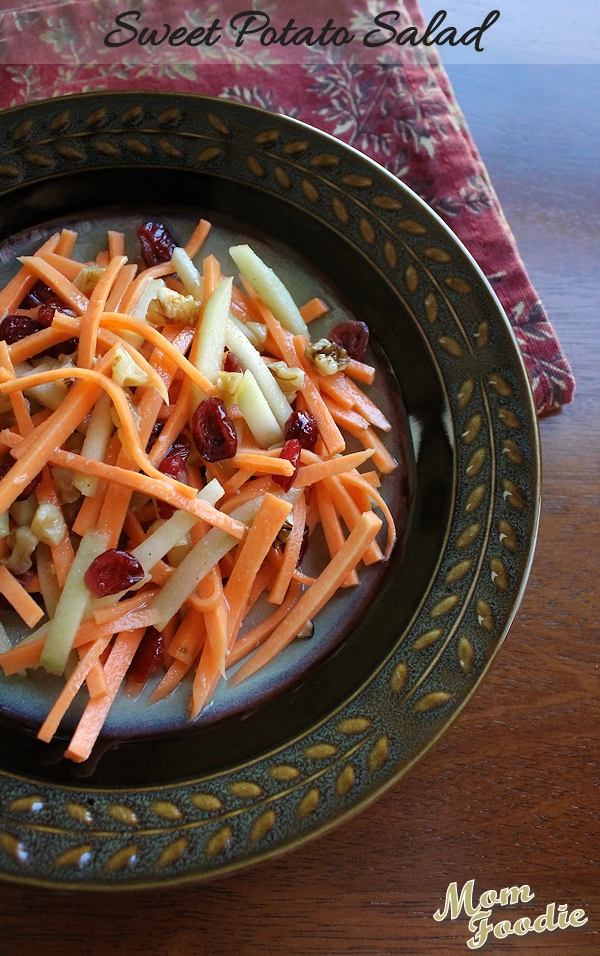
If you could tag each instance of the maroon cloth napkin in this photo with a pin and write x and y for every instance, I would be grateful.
(398, 108)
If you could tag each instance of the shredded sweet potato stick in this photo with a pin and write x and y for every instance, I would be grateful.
(310, 474)
(75, 681)
(36, 449)
(188, 637)
(257, 635)
(262, 464)
(350, 514)
(206, 678)
(332, 528)
(315, 598)
(360, 481)
(35, 343)
(116, 320)
(90, 322)
(291, 553)
(17, 399)
(17, 288)
(67, 267)
(137, 287)
(65, 289)
(313, 309)
(14, 592)
(120, 286)
(111, 613)
(216, 623)
(197, 238)
(96, 711)
(361, 372)
(66, 242)
(263, 531)
(175, 674)
(116, 243)
(129, 430)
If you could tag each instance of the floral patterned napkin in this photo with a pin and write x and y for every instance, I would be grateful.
(398, 108)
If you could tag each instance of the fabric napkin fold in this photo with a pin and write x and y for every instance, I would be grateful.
(400, 110)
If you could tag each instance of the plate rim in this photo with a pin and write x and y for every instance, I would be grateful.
(385, 782)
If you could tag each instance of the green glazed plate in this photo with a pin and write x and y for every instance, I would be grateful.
(189, 803)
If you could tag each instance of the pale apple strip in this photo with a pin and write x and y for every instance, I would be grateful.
(270, 288)
(160, 542)
(187, 272)
(251, 360)
(72, 605)
(257, 412)
(198, 563)
(99, 431)
(210, 337)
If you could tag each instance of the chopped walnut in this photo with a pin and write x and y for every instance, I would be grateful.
(87, 278)
(289, 379)
(227, 384)
(126, 371)
(327, 357)
(171, 306)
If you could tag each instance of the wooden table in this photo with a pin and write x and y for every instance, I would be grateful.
(509, 795)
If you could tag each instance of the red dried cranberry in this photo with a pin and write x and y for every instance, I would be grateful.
(172, 465)
(38, 294)
(5, 467)
(303, 426)
(353, 336)
(111, 572)
(63, 348)
(157, 243)
(156, 430)
(303, 546)
(232, 363)
(180, 447)
(148, 658)
(13, 328)
(46, 312)
(290, 451)
(213, 431)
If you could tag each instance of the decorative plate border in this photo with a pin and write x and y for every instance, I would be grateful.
(78, 837)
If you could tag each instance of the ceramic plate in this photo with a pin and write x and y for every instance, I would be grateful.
(329, 729)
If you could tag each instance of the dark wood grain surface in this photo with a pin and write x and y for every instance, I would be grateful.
(509, 796)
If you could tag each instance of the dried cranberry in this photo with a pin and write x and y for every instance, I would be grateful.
(40, 293)
(213, 431)
(45, 316)
(111, 572)
(46, 312)
(290, 451)
(303, 426)
(148, 658)
(5, 467)
(63, 348)
(13, 328)
(303, 546)
(353, 336)
(180, 447)
(172, 465)
(232, 363)
(157, 243)
(156, 430)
